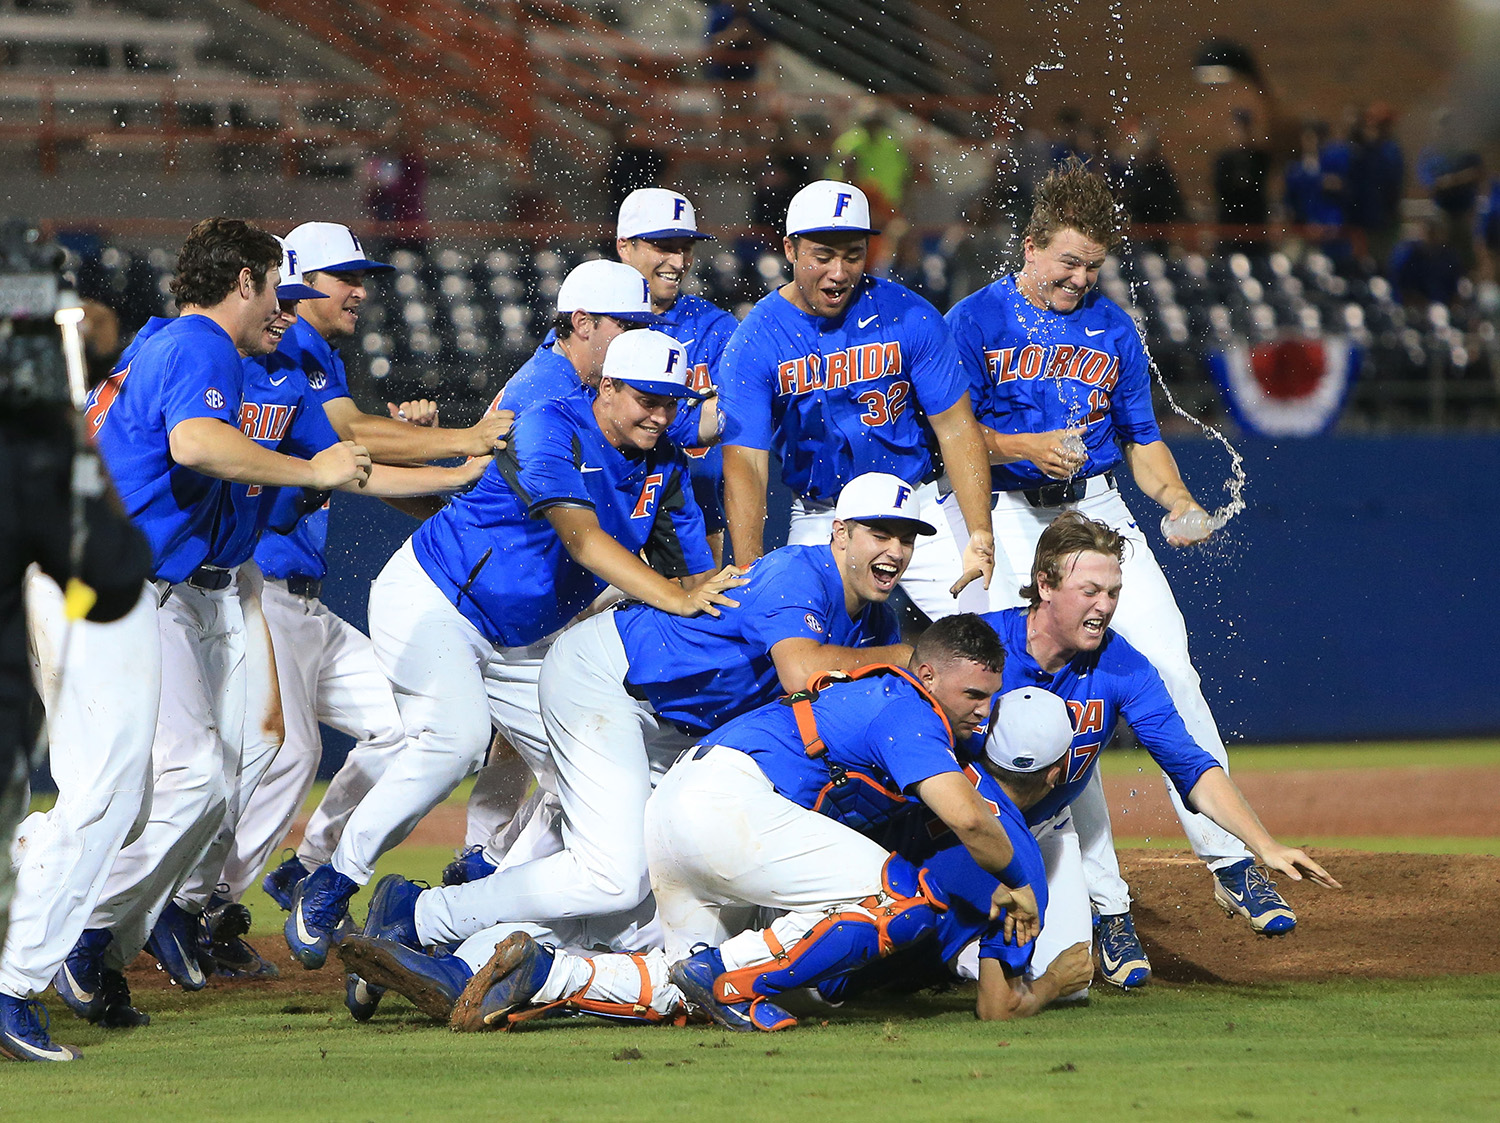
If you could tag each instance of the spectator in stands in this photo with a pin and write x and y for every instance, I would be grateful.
(1317, 181)
(635, 161)
(871, 155)
(1241, 175)
(1377, 181)
(1148, 186)
(1452, 174)
(1071, 137)
(736, 38)
(786, 171)
(1424, 267)
(394, 178)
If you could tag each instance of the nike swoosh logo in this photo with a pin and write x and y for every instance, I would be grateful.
(589, 468)
(190, 961)
(1110, 965)
(683, 343)
(1093, 331)
(302, 933)
(84, 996)
(279, 381)
(869, 319)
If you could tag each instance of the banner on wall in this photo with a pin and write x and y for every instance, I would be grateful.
(1287, 387)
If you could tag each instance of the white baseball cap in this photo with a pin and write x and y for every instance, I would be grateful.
(877, 496)
(1029, 730)
(291, 287)
(655, 212)
(651, 361)
(607, 288)
(330, 246)
(828, 207)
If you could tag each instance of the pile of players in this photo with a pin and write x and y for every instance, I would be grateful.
(737, 778)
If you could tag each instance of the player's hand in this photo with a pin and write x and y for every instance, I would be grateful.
(340, 464)
(1049, 451)
(1022, 920)
(1293, 862)
(489, 432)
(420, 412)
(1176, 511)
(471, 469)
(709, 595)
(978, 561)
(1073, 969)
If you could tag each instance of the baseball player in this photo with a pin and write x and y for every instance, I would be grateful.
(1062, 642)
(512, 973)
(773, 811)
(464, 612)
(656, 234)
(325, 666)
(1062, 388)
(843, 373)
(167, 426)
(624, 692)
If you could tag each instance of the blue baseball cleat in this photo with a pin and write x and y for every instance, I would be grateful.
(77, 980)
(279, 883)
(695, 976)
(1122, 960)
(361, 998)
(468, 865)
(320, 904)
(23, 1032)
(432, 983)
(1243, 889)
(507, 983)
(393, 911)
(174, 942)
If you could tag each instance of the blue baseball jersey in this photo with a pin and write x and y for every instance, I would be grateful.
(1100, 687)
(495, 555)
(1031, 370)
(700, 671)
(549, 375)
(879, 730)
(703, 329)
(835, 397)
(182, 370)
(302, 552)
(280, 412)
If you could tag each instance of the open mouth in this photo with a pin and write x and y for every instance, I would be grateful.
(1095, 625)
(885, 575)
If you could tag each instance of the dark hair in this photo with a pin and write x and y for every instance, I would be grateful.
(210, 261)
(964, 636)
(1068, 534)
(1074, 198)
(1023, 785)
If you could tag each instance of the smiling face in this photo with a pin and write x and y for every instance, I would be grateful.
(1074, 613)
(631, 418)
(335, 317)
(871, 557)
(826, 271)
(258, 313)
(964, 690)
(286, 316)
(665, 263)
(1058, 276)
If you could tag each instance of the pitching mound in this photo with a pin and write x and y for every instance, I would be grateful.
(1398, 915)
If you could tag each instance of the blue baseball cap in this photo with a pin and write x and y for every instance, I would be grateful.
(291, 287)
(330, 247)
(656, 213)
(651, 361)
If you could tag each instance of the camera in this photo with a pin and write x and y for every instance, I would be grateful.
(38, 311)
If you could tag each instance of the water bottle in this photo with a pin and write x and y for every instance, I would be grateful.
(1193, 525)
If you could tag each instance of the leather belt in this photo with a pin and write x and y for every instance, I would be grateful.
(1064, 491)
(210, 578)
(309, 587)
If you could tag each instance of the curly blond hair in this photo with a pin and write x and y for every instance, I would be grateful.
(1074, 198)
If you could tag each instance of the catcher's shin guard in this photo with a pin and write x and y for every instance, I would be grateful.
(903, 912)
(639, 1010)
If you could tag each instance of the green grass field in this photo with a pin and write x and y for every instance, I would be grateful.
(1407, 1049)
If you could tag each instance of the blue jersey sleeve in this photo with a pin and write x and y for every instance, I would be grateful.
(194, 385)
(1159, 727)
(772, 609)
(549, 473)
(911, 741)
(746, 388)
(968, 342)
(678, 545)
(683, 432)
(937, 376)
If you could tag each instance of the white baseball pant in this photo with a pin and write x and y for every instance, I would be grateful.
(1148, 617)
(328, 675)
(499, 791)
(450, 684)
(100, 684)
(195, 758)
(721, 841)
(605, 748)
(936, 563)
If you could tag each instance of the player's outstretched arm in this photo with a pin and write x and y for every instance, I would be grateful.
(593, 548)
(1049, 451)
(1155, 472)
(397, 442)
(218, 449)
(962, 445)
(390, 482)
(798, 658)
(1005, 997)
(1220, 798)
(747, 473)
